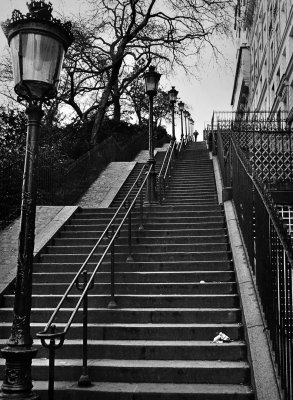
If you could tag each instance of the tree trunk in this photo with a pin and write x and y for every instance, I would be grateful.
(116, 102)
(104, 100)
(138, 114)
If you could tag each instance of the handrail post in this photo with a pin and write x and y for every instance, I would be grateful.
(160, 189)
(130, 256)
(112, 302)
(164, 189)
(51, 381)
(84, 379)
(141, 227)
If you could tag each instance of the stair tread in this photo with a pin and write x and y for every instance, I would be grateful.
(135, 388)
(147, 325)
(211, 364)
(147, 309)
(151, 343)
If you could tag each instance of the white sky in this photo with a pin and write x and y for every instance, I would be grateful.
(211, 90)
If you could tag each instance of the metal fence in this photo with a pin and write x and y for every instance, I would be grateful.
(267, 241)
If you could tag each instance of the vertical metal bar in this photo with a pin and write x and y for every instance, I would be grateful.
(130, 257)
(84, 379)
(112, 303)
(290, 152)
(141, 228)
(269, 157)
(51, 365)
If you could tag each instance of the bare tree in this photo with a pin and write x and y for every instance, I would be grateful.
(116, 40)
(170, 30)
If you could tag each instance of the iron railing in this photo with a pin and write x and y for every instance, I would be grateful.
(250, 120)
(52, 338)
(269, 249)
(165, 171)
(268, 151)
(164, 175)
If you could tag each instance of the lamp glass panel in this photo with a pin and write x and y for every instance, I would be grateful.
(14, 49)
(150, 84)
(40, 55)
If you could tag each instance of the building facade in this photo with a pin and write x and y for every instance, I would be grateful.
(264, 72)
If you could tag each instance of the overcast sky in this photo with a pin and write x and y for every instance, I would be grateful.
(210, 90)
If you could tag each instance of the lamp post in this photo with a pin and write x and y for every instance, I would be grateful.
(186, 116)
(37, 43)
(172, 100)
(181, 108)
(191, 128)
(151, 78)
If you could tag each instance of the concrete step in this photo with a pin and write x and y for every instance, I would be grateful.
(144, 288)
(135, 300)
(159, 256)
(134, 331)
(149, 349)
(140, 248)
(145, 266)
(141, 239)
(147, 391)
(137, 315)
(159, 212)
(161, 371)
(177, 201)
(149, 231)
(188, 218)
(139, 277)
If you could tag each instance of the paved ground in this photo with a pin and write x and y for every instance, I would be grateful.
(104, 189)
(48, 221)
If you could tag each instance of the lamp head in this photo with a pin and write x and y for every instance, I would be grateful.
(151, 78)
(37, 44)
(173, 95)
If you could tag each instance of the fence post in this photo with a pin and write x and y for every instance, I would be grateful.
(84, 379)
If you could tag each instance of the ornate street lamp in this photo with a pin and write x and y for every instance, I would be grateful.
(172, 100)
(190, 127)
(186, 116)
(181, 109)
(151, 78)
(37, 43)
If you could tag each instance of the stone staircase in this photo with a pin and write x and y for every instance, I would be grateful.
(173, 299)
(159, 157)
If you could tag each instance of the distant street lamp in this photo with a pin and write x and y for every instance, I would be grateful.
(172, 100)
(186, 116)
(151, 78)
(181, 109)
(37, 43)
(191, 123)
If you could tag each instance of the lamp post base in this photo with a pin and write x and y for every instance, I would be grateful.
(17, 382)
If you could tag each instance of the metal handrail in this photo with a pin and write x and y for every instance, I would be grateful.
(162, 177)
(164, 162)
(169, 164)
(52, 318)
(180, 145)
(49, 332)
